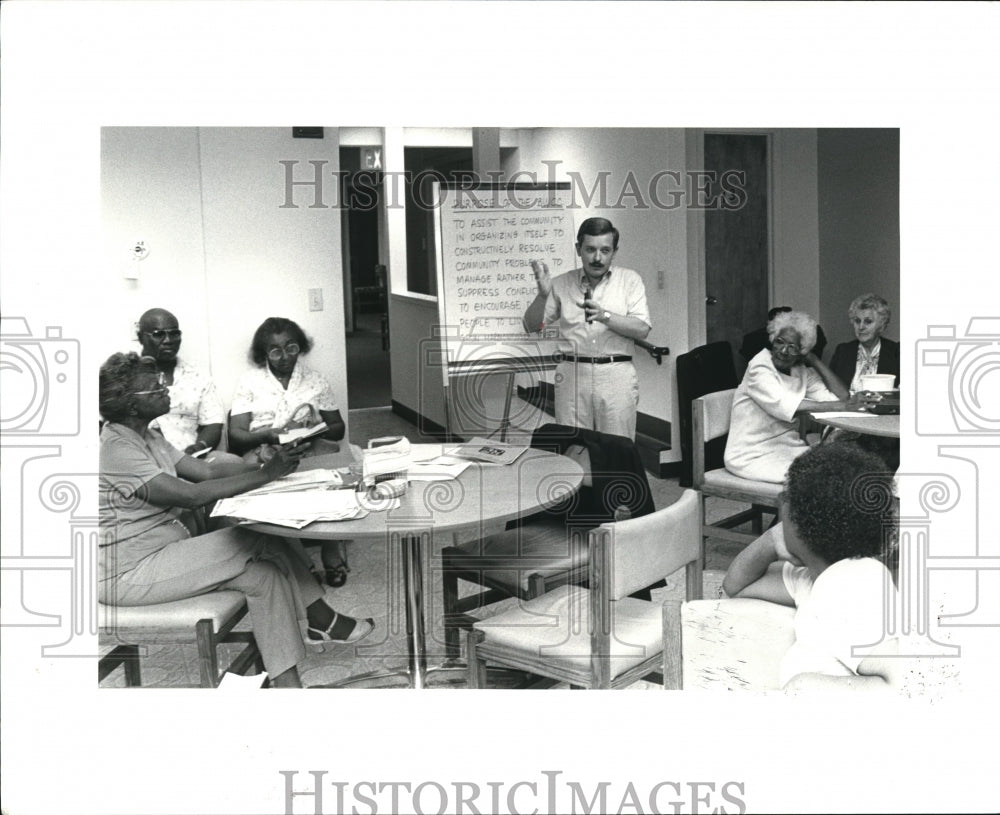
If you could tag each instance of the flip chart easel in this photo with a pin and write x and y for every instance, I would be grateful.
(487, 235)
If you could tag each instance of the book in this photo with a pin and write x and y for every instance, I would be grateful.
(301, 433)
(486, 450)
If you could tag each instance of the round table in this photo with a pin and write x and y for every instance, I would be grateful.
(870, 424)
(483, 494)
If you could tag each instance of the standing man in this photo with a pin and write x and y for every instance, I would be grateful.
(600, 310)
(196, 413)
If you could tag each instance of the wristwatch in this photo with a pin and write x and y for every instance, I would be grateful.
(607, 317)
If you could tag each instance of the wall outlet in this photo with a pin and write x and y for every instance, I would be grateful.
(315, 299)
(661, 279)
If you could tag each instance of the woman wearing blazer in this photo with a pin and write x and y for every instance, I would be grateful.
(870, 353)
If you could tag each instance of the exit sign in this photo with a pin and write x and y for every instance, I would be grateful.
(371, 158)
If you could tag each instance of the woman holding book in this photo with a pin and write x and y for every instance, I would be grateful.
(150, 551)
(282, 393)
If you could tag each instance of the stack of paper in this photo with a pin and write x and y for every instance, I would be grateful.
(299, 508)
(300, 480)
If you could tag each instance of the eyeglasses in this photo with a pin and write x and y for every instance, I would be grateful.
(160, 334)
(781, 345)
(161, 386)
(291, 350)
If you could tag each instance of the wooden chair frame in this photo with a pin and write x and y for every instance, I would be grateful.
(759, 503)
(474, 568)
(132, 639)
(601, 542)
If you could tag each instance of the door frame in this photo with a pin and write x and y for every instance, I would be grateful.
(695, 149)
(793, 217)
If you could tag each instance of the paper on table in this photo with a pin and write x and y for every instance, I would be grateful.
(846, 414)
(295, 509)
(298, 481)
(239, 682)
(487, 451)
(425, 452)
(441, 468)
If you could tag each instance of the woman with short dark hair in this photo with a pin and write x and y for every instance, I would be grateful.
(282, 393)
(149, 550)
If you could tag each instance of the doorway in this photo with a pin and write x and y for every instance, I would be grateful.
(366, 297)
(737, 239)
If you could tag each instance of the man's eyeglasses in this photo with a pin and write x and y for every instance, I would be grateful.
(161, 386)
(160, 334)
(290, 350)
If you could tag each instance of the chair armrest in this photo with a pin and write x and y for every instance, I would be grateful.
(657, 352)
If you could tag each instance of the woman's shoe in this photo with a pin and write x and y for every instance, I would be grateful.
(362, 628)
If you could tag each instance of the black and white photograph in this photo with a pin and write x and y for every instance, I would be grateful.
(488, 353)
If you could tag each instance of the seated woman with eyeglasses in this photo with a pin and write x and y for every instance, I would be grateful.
(268, 399)
(149, 551)
(781, 383)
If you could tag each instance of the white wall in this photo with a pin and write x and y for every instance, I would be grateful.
(223, 253)
(858, 180)
(653, 239)
(795, 224)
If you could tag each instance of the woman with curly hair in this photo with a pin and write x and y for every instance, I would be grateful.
(870, 352)
(826, 560)
(274, 397)
(150, 550)
(780, 384)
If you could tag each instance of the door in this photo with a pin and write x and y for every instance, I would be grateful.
(369, 381)
(736, 238)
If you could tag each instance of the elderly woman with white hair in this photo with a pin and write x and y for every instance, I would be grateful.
(781, 383)
(870, 352)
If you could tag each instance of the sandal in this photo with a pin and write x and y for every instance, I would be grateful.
(362, 628)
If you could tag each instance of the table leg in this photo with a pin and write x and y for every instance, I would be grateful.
(413, 583)
(416, 673)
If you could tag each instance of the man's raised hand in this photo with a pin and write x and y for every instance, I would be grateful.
(542, 278)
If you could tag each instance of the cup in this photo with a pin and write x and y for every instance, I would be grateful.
(877, 382)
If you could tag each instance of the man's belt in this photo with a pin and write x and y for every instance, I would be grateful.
(595, 360)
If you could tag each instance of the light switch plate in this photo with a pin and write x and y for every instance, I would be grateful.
(315, 299)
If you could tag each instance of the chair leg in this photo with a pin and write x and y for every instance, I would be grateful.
(673, 672)
(208, 661)
(702, 523)
(128, 657)
(536, 586)
(449, 599)
(477, 667)
(133, 675)
(694, 579)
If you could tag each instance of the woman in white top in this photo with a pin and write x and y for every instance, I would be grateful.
(781, 383)
(268, 400)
